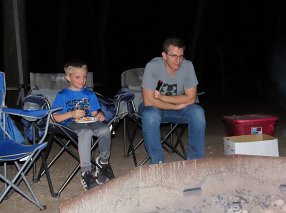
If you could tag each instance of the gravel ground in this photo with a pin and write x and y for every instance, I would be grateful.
(121, 165)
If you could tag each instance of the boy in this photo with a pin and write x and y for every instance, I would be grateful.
(80, 113)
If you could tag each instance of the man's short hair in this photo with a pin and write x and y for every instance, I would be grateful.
(74, 63)
(174, 41)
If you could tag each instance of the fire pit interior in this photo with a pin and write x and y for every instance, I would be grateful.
(224, 184)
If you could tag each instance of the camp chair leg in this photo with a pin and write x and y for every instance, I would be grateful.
(124, 138)
(169, 146)
(14, 184)
(16, 188)
(131, 137)
(23, 170)
(165, 141)
(128, 151)
(179, 140)
(131, 149)
(45, 167)
(45, 157)
(72, 174)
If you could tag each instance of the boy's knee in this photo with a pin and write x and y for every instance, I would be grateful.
(104, 132)
(84, 133)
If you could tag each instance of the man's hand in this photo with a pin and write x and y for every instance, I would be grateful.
(181, 106)
(157, 99)
(157, 94)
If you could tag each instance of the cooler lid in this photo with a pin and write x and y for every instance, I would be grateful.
(250, 118)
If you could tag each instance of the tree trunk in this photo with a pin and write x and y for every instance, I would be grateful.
(15, 60)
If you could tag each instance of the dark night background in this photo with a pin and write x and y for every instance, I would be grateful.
(237, 47)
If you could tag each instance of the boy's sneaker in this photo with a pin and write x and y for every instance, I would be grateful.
(100, 172)
(87, 180)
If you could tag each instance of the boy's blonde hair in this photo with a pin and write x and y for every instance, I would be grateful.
(74, 64)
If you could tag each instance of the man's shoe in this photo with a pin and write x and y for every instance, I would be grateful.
(102, 173)
(87, 180)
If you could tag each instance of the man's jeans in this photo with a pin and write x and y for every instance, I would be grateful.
(152, 118)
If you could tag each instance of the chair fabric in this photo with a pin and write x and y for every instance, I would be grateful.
(54, 81)
(7, 121)
(49, 84)
(131, 79)
(12, 152)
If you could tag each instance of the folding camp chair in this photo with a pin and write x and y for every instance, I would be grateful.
(64, 136)
(67, 139)
(131, 80)
(12, 151)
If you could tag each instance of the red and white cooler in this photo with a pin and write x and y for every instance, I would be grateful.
(250, 124)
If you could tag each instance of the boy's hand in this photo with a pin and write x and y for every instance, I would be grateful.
(78, 113)
(100, 116)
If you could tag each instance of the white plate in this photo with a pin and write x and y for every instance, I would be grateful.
(85, 120)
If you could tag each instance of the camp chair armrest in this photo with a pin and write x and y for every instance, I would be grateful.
(35, 114)
(201, 93)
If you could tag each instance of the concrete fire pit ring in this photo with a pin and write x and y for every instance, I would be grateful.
(250, 183)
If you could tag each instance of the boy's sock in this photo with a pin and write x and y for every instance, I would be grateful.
(103, 161)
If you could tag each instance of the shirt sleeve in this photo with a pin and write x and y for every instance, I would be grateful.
(59, 102)
(149, 77)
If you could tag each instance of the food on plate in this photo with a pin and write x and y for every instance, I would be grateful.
(85, 120)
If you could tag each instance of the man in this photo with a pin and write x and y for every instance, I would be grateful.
(169, 90)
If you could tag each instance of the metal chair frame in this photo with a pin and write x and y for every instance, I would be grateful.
(66, 138)
(166, 140)
(14, 151)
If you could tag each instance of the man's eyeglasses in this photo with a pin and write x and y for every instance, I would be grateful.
(176, 57)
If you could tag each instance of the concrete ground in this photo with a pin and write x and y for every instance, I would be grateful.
(121, 165)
